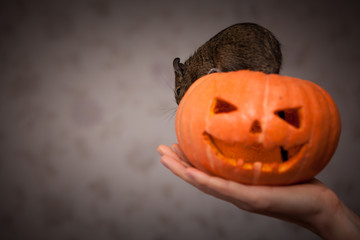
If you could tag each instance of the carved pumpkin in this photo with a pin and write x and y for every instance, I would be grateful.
(256, 128)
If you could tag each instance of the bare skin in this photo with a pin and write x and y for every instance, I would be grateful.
(311, 205)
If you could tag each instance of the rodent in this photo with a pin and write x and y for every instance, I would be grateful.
(240, 46)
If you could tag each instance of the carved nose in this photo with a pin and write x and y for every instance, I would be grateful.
(255, 127)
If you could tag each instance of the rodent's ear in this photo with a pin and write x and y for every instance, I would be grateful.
(178, 66)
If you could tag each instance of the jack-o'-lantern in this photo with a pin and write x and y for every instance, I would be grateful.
(257, 128)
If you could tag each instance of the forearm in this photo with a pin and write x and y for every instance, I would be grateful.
(339, 224)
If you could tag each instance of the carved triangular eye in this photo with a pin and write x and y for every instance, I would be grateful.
(290, 115)
(222, 106)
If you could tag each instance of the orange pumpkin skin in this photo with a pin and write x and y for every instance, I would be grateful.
(257, 128)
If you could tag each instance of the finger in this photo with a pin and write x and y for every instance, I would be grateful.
(165, 150)
(244, 196)
(220, 185)
(204, 182)
(177, 167)
(178, 151)
(215, 186)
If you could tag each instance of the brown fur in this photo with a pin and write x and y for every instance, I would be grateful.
(240, 46)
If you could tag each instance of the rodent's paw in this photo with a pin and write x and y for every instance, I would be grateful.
(214, 70)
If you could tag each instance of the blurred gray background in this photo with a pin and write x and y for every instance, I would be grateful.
(86, 97)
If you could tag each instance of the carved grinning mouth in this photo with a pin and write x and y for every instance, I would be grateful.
(240, 154)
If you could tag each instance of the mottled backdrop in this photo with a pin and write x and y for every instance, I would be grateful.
(86, 97)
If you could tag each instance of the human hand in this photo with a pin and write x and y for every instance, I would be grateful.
(311, 205)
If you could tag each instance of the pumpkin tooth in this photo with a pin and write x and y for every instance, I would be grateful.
(257, 165)
(257, 169)
(240, 162)
(270, 167)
